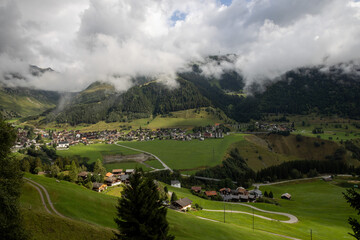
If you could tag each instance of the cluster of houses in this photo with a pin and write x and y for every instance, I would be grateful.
(116, 177)
(239, 194)
(275, 127)
(64, 139)
(170, 134)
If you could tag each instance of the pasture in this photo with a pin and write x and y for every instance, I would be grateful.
(97, 210)
(188, 156)
(319, 206)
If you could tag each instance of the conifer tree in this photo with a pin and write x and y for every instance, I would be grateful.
(11, 226)
(174, 197)
(271, 195)
(73, 174)
(353, 198)
(140, 212)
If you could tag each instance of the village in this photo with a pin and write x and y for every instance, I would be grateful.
(64, 139)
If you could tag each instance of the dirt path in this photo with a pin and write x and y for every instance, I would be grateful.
(41, 196)
(47, 196)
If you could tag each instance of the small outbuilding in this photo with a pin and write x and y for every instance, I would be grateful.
(196, 189)
(286, 196)
(182, 204)
(175, 183)
(99, 187)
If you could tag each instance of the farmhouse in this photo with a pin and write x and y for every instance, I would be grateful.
(64, 144)
(129, 171)
(256, 192)
(99, 187)
(196, 189)
(286, 196)
(109, 174)
(124, 178)
(225, 191)
(83, 175)
(182, 204)
(117, 171)
(112, 181)
(175, 183)
(210, 193)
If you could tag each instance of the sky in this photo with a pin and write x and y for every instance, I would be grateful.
(116, 40)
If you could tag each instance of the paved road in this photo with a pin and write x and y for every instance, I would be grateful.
(41, 196)
(287, 181)
(47, 196)
(157, 158)
(292, 218)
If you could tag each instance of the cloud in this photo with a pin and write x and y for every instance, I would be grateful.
(117, 40)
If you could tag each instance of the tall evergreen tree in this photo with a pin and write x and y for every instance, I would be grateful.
(99, 168)
(10, 187)
(140, 212)
(353, 198)
(73, 174)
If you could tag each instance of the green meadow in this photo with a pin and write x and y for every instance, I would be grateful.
(188, 156)
(94, 212)
(319, 206)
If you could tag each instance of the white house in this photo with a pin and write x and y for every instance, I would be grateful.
(175, 183)
(64, 144)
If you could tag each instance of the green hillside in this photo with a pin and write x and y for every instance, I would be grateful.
(98, 210)
(23, 102)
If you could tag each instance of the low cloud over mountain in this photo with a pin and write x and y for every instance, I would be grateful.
(115, 40)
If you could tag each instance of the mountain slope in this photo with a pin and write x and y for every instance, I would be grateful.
(101, 102)
(23, 102)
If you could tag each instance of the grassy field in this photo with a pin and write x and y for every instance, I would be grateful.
(40, 225)
(97, 151)
(99, 209)
(319, 206)
(188, 155)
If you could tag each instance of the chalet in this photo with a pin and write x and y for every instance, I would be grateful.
(99, 187)
(225, 191)
(63, 144)
(83, 175)
(256, 192)
(196, 189)
(124, 178)
(242, 191)
(175, 183)
(109, 174)
(327, 178)
(182, 204)
(117, 171)
(112, 181)
(129, 171)
(210, 193)
(286, 196)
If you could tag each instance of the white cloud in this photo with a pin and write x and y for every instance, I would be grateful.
(114, 40)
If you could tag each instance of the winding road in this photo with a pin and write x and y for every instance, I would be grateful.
(166, 167)
(292, 218)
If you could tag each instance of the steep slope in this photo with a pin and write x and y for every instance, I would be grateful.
(23, 102)
(101, 102)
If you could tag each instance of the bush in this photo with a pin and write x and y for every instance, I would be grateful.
(271, 195)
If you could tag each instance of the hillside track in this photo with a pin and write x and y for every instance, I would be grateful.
(47, 196)
(41, 196)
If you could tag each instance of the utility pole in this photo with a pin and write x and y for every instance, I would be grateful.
(310, 234)
(253, 220)
(224, 211)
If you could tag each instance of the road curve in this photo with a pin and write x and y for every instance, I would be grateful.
(41, 196)
(157, 158)
(292, 218)
(47, 196)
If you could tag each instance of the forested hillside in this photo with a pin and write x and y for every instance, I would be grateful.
(101, 102)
